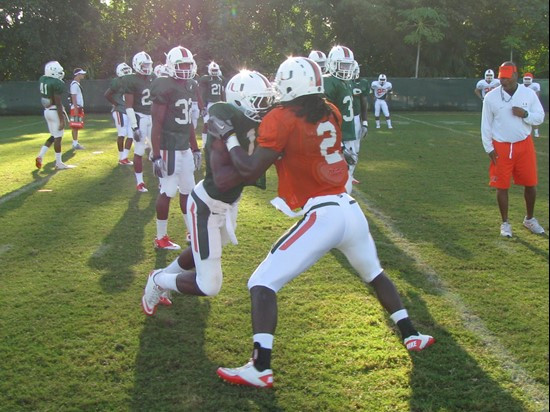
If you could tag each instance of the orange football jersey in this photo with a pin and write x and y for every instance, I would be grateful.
(311, 162)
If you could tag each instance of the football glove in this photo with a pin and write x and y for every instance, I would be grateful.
(137, 134)
(220, 129)
(158, 167)
(197, 158)
(364, 129)
(350, 156)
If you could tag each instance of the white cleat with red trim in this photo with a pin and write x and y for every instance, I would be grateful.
(416, 343)
(247, 375)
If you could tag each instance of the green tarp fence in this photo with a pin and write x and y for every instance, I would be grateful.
(22, 98)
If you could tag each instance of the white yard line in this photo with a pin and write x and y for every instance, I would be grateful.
(20, 126)
(537, 393)
(449, 129)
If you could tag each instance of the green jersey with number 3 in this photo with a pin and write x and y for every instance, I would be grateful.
(140, 87)
(245, 130)
(340, 93)
(177, 96)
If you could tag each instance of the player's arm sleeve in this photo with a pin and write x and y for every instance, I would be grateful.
(486, 127)
(536, 111)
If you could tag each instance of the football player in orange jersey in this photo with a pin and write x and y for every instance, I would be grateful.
(303, 138)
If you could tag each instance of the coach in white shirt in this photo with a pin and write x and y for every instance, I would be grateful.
(508, 114)
(77, 106)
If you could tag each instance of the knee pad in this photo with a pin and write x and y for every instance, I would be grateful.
(50, 140)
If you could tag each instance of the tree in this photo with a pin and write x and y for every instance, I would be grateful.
(423, 24)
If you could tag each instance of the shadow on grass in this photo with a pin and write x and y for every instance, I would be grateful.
(122, 247)
(537, 251)
(173, 372)
(445, 376)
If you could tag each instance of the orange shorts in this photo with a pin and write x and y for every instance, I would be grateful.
(517, 160)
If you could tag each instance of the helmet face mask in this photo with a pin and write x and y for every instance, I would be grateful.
(298, 76)
(54, 69)
(527, 79)
(356, 71)
(341, 62)
(123, 69)
(251, 93)
(142, 63)
(382, 79)
(214, 69)
(160, 70)
(489, 75)
(320, 58)
(180, 63)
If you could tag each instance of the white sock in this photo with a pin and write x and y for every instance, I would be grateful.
(162, 228)
(264, 339)
(174, 267)
(75, 143)
(204, 139)
(185, 222)
(58, 158)
(378, 123)
(399, 315)
(43, 151)
(166, 280)
(388, 122)
(139, 178)
(125, 154)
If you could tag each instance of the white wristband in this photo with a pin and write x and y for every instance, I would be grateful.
(132, 117)
(232, 142)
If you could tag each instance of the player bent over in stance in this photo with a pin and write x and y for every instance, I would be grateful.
(302, 137)
(213, 204)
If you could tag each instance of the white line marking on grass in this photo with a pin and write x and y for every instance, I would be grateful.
(25, 189)
(20, 126)
(453, 130)
(536, 392)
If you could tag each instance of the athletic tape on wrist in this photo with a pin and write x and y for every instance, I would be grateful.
(231, 142)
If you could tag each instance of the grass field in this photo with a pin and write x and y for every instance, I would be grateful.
(76, 247)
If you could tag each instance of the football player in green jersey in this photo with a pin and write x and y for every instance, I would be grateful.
(361, 89)
(115, 95)
(137, 96)
(338, 90)
(51, 89)
(175, 153)
(212, 90)
(213, 204)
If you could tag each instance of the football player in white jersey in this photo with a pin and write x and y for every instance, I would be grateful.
(528, 82)
(381, 89)
(487, 84)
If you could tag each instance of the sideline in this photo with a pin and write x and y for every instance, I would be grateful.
(535, 392)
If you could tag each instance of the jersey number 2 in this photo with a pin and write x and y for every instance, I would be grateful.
(322, 130)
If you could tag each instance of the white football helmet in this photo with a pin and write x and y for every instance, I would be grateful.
(214, 69)
(340, 62)
(123, 69)
(527, 79)
(356, 70)
(298, 76)
(142, 63)
(251, 93)
(54, 69)
(320, 58)
(160, 70)
(382, 79)
(180, 63)
(489, 75)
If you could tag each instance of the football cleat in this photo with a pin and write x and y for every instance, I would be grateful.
(416, 343)
(125, 162)
(61, 166)
(506, 229)
(78, 146)
(166, 243)
(533, 225)
(141, 188)
(165, 298)
(151, 295)
(38, 162)
(247, 375)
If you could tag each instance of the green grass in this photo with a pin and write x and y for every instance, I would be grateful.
(76, 246)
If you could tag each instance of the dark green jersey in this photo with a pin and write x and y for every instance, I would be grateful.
(339, 92)
(140, 87)
(361, 88)
(211, 88)
(50, 86)
(117, 88)
(245, 129)
(177, 96)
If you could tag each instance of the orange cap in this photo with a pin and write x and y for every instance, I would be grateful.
(506, 72)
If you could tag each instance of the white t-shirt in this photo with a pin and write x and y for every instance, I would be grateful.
(485, 87)
(76, 89)
(498, 121)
